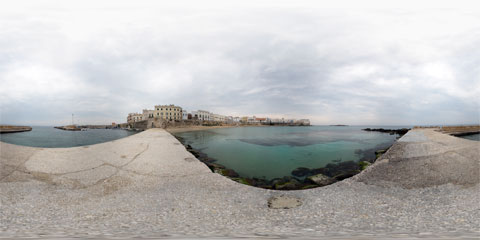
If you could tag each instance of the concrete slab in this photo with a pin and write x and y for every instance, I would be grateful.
(148, 185)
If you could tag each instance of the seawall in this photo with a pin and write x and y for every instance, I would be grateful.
(148, 185)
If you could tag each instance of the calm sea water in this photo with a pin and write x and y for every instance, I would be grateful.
(475, 137)
(51, 137)
(270, 152)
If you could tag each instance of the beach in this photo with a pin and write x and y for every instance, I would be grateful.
(148, 185)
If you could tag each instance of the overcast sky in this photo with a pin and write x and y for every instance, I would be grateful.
(399, 66)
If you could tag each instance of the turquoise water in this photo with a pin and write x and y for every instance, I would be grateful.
(50, 137)
(273, 152)
(475, 137)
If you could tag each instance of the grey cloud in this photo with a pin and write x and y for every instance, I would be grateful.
(272, 62)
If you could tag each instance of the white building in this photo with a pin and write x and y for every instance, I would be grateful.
(202, 115)
(218, 118)
(184, 114)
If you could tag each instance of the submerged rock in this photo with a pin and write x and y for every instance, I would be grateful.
(345, 175)
(291, 184)
(321, 180)
(227, 172)
(301, 172)
(363, 165)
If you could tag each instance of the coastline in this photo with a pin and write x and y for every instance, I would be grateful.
(299, 178)
(14, 129)
(147, 184)
(181, 129)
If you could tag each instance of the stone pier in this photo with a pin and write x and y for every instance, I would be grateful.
(148, 185)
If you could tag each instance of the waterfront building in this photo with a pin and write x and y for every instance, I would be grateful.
(260, 120)
(147, 114)
(236, 119)
(168, 112)
(134, 117)
(185, 115)
(244, 119)
(303, 122)
(251, 119)
(218, 118)
(202, 115)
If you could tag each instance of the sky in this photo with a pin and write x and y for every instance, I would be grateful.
(350, 63)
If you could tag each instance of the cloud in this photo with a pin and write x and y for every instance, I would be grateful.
(355, 66)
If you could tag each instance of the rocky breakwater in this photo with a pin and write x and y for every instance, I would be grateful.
(400, 132)
(69, 128)
(14, 129)
(460, 130)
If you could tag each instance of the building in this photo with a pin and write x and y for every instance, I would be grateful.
(134, 117)
(261, 120)
(305, 122)
(185, 115)
(218, 118)
(168, 112)
(244, 119)
(202, 115)
(147, 114)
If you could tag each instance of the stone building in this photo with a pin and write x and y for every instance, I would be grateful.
(168, 112)
(134, 117)
(147, 114)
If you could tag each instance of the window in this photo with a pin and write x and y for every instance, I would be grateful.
(157, 114)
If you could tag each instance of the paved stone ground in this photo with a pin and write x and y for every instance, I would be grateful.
(148, 185)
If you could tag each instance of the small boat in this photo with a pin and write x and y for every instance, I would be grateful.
(84, 129)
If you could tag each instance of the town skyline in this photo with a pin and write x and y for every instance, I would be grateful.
(296, 60)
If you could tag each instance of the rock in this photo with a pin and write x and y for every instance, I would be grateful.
(293, 184)
(363, 165)
(321, 180)
(346, 174)
(300, 172)
(316, 171)
(246, 181)
(310, 186)
(379, 153)
(214, 166)
(284, 202)
(227, 172)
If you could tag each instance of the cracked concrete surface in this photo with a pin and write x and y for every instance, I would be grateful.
(148, 185)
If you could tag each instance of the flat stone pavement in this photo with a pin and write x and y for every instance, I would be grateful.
(148, 185)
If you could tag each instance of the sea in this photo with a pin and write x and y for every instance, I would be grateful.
(274, 152)
(49, 137)
(475, 137)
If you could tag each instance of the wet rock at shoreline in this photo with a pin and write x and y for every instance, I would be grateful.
(363, 165)
(227, 172)
(321, 180)
(301, 172)
(346, 174)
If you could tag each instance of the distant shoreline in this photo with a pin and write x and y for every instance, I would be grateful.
(14, 129)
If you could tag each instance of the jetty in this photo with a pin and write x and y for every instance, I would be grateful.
(69, 128)
(426, 185)
(14, 129)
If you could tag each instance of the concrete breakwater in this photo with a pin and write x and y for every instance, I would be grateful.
(68, 128)
(426, 185)
(14, 129)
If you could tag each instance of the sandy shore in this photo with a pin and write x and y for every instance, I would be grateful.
(147, 185)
